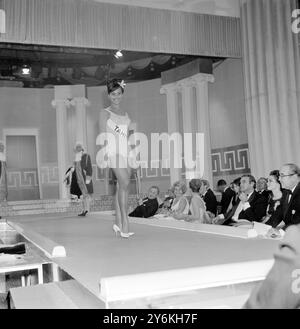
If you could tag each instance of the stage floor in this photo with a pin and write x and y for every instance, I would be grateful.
(94, 252)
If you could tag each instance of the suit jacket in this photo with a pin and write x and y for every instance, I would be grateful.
(147, 209)
(227, 196)
(210, 201)
(289, 212)
(257, 210)
(266, 193)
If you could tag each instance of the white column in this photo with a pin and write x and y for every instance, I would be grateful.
(170, 91)
(80, 104)
(188, 118)
(201, 81)
(61, 106)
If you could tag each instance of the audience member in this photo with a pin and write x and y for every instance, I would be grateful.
(209, 198)
(262, 187)
(252, 206)
(165, 206)
(227, 195)
(275, 198)
(197, 209)
(280, 289)
(148, 206)
(180, 204)
(237, 189)
(289, 212)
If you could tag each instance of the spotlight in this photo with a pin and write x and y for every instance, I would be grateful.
(118, 54)
(25, 70)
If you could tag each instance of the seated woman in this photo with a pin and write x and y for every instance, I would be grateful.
(236, 187)
(180, 204)
(197, 208)
(275, 199)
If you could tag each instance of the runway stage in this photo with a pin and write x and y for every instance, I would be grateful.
(156, 260)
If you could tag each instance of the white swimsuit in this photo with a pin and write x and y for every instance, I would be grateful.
(117, 126)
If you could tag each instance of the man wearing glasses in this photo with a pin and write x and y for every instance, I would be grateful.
(281, 288)
(290, 210)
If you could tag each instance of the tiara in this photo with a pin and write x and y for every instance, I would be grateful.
(122, 84)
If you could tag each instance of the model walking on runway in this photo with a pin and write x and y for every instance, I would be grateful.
(115, 122)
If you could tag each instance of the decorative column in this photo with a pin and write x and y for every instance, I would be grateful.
(203, 125)
(61, 106)
(170, 90)
(80, 104)
(186, 87)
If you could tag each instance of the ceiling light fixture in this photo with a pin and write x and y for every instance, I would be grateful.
(25, 70)
(118, 54)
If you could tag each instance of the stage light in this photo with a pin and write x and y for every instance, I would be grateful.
(118, 54)
(25, 70)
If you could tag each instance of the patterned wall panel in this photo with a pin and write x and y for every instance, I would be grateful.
(49, 174)
(233, 160)
(25, 178)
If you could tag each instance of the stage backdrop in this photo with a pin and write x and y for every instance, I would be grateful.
(31, 108)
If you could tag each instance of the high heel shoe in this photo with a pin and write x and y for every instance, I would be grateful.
(116, 229)
(83, 214)
(126, 235)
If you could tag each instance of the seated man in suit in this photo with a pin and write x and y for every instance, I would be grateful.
(148, 206)
(227, 195)
(252, 206)
(281, 287)
(209, 198)
(262, 186)
(289, 210)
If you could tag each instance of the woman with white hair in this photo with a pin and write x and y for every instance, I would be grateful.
(3, 174)
(81, 183)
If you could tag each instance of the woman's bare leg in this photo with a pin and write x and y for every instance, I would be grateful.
(122, 195)
(87, 203)
(118, 219)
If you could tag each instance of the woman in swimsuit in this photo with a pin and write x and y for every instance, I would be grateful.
(114, 121)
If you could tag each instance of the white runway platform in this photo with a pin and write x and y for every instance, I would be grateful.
(158, 259)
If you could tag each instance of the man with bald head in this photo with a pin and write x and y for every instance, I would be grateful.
(289, 212)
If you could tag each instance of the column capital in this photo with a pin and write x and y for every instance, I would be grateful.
(80, 100)
(170, 87)
(56, 102)
(203, 77)
(186, 83)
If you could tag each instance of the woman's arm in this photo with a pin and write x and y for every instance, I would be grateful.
(103, 116)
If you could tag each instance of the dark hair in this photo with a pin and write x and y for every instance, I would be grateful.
(221, 182)
(276, 175)
(195, 184)
(251, 179)
(113, 85)
(237, 181)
